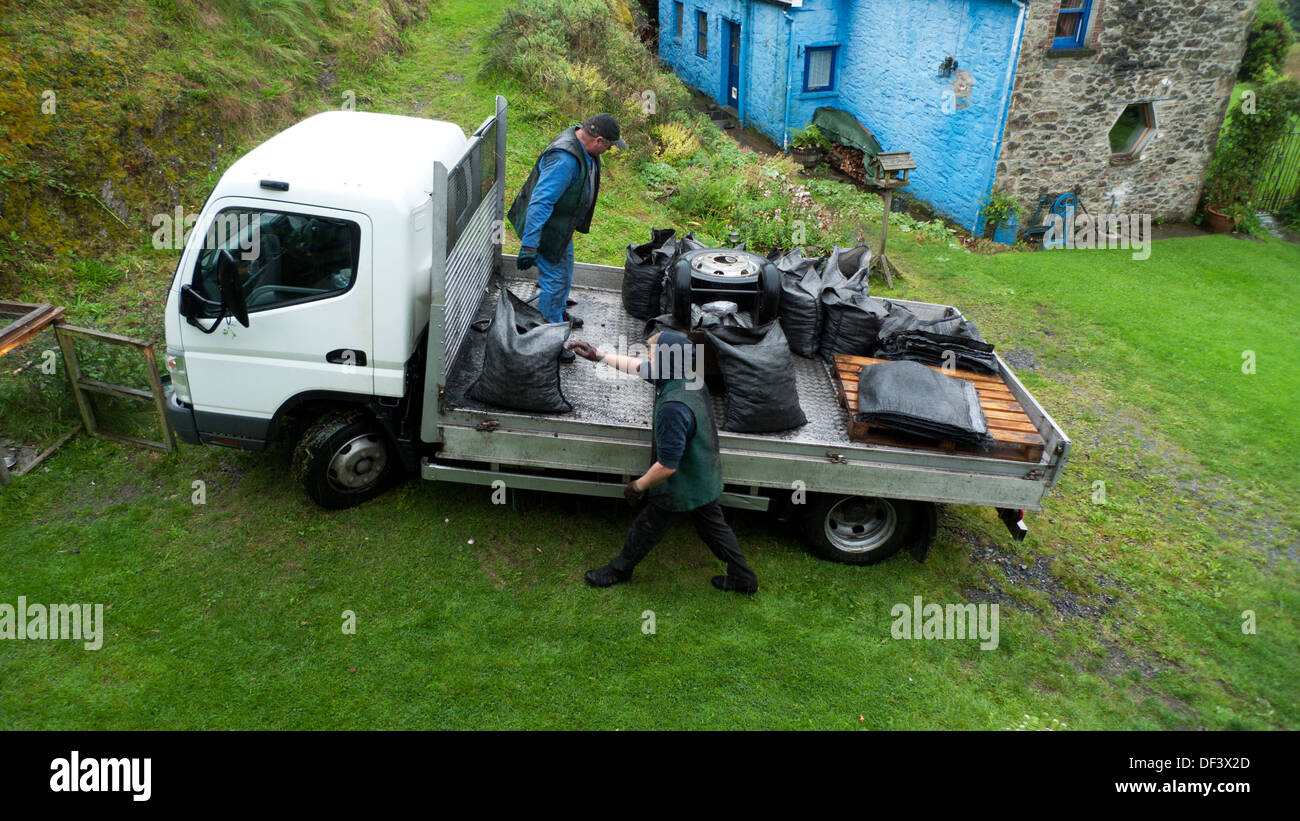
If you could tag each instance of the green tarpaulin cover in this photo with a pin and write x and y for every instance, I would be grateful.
(844, 128)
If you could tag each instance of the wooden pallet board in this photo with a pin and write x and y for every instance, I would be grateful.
(29, 320)
(1014, 434)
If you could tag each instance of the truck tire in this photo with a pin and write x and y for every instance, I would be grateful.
(343, 459)
(858, 529)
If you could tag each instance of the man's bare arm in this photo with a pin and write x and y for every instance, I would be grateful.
(622, 362)
(656, 475)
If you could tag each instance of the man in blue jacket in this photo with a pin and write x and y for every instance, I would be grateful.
(559, 198)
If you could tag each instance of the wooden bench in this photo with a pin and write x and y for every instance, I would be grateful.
(1014, 434)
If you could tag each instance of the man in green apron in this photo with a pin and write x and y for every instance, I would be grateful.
(686, 476)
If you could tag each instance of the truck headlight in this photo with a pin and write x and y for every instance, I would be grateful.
(180, 380)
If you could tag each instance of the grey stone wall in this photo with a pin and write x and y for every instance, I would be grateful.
(1182, 55)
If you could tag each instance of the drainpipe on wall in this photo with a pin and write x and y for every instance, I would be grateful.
(742, 105)
(1006, 94)
(789, 55)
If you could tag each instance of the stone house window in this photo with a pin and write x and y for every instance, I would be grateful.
(678, 13)
(819, 68)
(1132, 132)
(701, 34)
(1072, 24)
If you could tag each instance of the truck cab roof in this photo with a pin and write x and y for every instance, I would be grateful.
(349, 159)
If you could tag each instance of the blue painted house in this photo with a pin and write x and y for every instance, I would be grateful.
(933, 77)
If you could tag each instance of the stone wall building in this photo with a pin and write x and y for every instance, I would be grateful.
(1121, 100)
(1126, 113)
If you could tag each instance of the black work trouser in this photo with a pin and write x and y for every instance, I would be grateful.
(653, 521)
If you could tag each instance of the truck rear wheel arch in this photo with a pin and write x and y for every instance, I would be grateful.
(864, 530)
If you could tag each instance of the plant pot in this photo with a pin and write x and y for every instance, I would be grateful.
(984, 228)
(807, 157)
(1219, 222)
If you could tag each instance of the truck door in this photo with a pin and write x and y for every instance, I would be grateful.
(305, 273)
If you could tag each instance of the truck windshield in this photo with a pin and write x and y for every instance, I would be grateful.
(283, 258)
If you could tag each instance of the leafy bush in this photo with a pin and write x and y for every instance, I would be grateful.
(1246, 141)
(1271, 37)
(847, 200)
(584, 56)
(924, 230)
(659, 175)
(808, 138)
(1290, 215)
(674, 141)
(999, 207)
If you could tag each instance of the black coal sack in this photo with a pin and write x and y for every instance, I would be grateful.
(801, 303)
(758, 372)
(521, 366)
(643, 272)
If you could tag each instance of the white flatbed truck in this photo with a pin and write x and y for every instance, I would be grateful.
(333, 277)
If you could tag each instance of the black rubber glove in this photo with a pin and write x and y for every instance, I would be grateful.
(527, 259)
(631, 493)
(586, 350)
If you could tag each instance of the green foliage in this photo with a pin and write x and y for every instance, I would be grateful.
(659, 177)
(1290, 215)
(924, 230)
(1271, 37)
(1246, 143)
(112, 110)
(584, 56)
(809, 137)
(843, 198)
(1000, 206)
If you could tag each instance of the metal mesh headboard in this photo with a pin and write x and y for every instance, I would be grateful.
(468, 268)
(468, 201)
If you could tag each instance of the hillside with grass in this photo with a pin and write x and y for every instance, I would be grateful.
(112, 112)
(1123, 608)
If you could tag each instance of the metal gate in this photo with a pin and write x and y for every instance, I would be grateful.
(1280, 182)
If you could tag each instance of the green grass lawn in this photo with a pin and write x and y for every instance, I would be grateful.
(1125, 614)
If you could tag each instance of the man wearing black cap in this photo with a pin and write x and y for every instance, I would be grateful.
(687, 473)
(559, 198)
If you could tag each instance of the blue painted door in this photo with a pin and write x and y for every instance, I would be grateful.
(731, 75)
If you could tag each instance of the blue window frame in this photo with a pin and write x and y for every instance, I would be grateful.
(701, 34)
(1072, 24)
(819, 68)
(677, 21)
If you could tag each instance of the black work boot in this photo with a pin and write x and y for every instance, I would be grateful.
(575, 321)
(734, 586)
(606, 576)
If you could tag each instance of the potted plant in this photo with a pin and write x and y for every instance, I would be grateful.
(1222, 200)
(1002, 211)
(808, 146)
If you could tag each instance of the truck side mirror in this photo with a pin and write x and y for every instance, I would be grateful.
(232, 295)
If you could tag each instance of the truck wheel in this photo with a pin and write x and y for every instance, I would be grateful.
(857, 529)
(343, 459)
